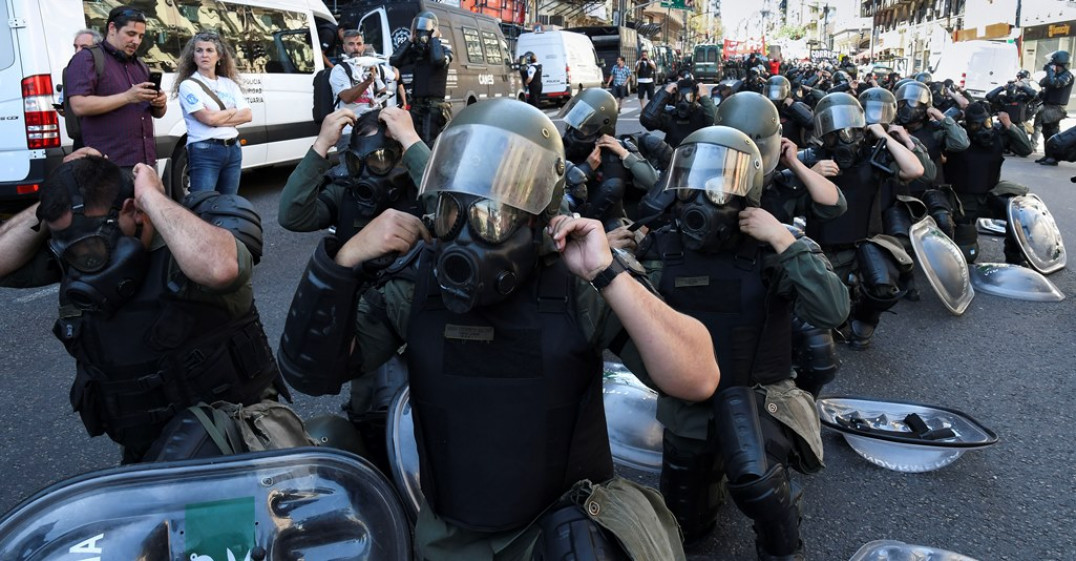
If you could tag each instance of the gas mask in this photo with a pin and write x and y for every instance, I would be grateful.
(981, 132)
(844, 146)
(368, 164)
(578, 145)
(485, 250)
(709, 220)
(910, 114)
(686, 98)
(102, 268)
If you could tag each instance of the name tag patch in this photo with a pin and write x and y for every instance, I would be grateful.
(469, 333)
(687, 282)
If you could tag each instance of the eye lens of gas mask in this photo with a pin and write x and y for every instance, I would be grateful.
(842, 136)
(976, 126)
(379, 161)
(490, 221)
(88, 250)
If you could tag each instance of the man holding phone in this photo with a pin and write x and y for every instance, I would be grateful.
(122, 98)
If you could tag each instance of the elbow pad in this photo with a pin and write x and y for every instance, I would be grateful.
(315, 353)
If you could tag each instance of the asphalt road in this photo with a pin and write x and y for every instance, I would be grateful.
(1008, 363)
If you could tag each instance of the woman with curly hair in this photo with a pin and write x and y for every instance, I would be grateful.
(213, 105)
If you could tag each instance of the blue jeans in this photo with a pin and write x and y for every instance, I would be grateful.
(215, 167)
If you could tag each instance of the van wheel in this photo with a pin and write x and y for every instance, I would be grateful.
(471, 101)
(179, 181)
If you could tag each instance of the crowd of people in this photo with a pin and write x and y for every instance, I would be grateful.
(500, 262)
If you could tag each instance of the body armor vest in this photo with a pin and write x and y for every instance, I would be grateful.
(429, 79)
(977, 169)
(750, 327)
(1057, 96)
(644, 70)
(507, 401)
(862, 219)
(158, 355)
(792, 130)
(535, 87)
(679, 128)
(933, 140)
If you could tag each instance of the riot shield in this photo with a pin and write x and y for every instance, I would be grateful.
(943, 264)
(1013, 281)
(312, 503)
(630, 414)
(1036, 233)
(991, 226)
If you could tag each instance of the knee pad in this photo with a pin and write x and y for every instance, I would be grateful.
(769, 501)
(740, 444)
(879, 275)
(568, 535)
(814, 355)
(940, 207)
(897, 221)
(187, 436)
(691, 484)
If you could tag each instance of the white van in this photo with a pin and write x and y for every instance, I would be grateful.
(978, 66)
(569, 63)
(276, 55)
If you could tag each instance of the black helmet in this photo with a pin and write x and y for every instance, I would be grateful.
(778, 88)
(424, 22)
(1060, 57)
(754, 115)
(1023, 74)
(529, 56)
(841, 77)
(836, 112)
(915, 93)
(879, 106)
(924, 77)
(502, 150)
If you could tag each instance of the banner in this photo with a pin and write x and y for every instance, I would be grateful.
(744, 48)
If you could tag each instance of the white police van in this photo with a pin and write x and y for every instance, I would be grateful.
(277, 57)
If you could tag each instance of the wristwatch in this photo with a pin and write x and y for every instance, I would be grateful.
(623, 260)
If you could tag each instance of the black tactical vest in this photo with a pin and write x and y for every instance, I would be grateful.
(977, 169)
(428, 79)
(1057, 96)
(933, 139)
(862, 219)
(535, 87)
(158, 355)
(643, 69)
(750, 327)
(507, 401)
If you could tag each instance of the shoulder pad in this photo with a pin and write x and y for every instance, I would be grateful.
(231, 212)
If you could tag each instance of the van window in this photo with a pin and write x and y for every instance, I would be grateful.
(474, 45)
(264, 39)
(7, 48)
(493, 48)
(370, 27)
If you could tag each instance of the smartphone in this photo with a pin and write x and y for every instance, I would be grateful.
(155, 77)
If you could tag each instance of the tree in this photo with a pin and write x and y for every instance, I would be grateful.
(794, 32)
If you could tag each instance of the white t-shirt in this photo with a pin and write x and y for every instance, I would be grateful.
(339, 81)
(193, 98)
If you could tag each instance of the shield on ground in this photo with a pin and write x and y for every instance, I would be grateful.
(1036, 233)
(991, 226)
(635, 435)
(943, 264)
(1013, 281)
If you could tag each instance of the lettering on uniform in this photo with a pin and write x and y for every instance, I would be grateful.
(89, 547)
(469, 333)
(485, 79)
(688, 282)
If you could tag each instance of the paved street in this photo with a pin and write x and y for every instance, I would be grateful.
(1008, 363)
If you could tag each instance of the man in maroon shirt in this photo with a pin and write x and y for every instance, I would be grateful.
(116, 109)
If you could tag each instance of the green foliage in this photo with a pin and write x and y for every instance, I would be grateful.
(793, 32)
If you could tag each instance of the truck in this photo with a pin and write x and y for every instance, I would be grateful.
(611, 42)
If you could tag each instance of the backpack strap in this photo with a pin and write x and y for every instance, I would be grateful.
(350, 79)
(98, 60)
(208, 91)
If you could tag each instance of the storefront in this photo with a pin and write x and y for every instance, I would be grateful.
(1041, 40)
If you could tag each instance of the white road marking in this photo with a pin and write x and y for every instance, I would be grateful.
(54, 289)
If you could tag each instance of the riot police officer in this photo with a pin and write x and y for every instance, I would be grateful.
(506, 315)
(870, 263)
(429, 58)
(597, 190)
(796, 117)
(738, 270)
(976, 177)
(156, 304)
(533, 79)
(795, 190)
(1056, 88)
(690, 111)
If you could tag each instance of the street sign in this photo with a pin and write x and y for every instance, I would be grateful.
(678, 4)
